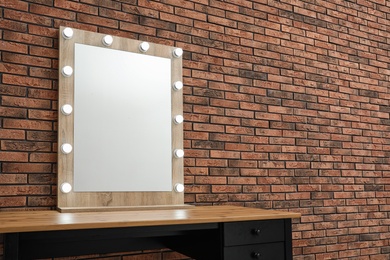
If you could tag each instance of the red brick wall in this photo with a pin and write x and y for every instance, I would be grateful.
(286, 107)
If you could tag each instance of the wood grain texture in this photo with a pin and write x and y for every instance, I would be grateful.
(28, 221)
(98, 201)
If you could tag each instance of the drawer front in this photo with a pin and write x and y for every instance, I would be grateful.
(253, 232)
(271, 251)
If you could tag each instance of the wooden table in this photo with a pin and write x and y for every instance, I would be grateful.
(200, 232)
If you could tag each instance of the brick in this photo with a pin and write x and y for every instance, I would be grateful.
(238, 147)
(13, 69)
(43, 157)
(42, 114)
(25, 102)
(208, 144)
(224, 154)
(224, 137)
(242, 163)
(27, 17)
(41, 178)
(208, 128)
(24, 190)
(224, 103)
(27, 124)
(52, 12)
(13, 112)
(44, 52)
(225, 188)
(222, 21)
(42, 94)
(156, 6)
(239, 130)
(77, 7)
(12, 201)
(26, 167)
(27, 60)
(12, 25)
(208, 26)
(41, 136)
(13, 47)
(224, 172)
(96, 20)
(211, 198)
(25, 146)
(212, 162)
(41, 201)
(15, 4)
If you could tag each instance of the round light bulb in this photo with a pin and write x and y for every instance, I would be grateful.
(144, 47)
(66, 148)
(66, 187)
(179, 153)
(178, 119)
(107, 40)
(67, 33)
(179, 187)
(177, 52)
(66, 109)
(67, 71)
(178, 85)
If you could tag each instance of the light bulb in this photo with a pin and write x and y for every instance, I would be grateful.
(67, 71)
(178, 85)
(179, 153)
(179, 187)
(66, 148)
(66, 187)
(177, 52)
(107, 40)
(67, 33)
(178, 119)
(66, 109)
(144, 47)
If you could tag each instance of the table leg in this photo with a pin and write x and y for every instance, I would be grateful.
(11, 246)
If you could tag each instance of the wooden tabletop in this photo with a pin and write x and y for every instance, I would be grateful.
(48, 220)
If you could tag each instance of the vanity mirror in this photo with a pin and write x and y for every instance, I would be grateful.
(120, 134)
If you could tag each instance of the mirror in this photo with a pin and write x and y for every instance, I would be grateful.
(120, 123)
(125, 110)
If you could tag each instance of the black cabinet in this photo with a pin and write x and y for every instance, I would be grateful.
(266, 239)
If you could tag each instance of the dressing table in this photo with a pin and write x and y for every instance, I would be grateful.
(120, 166)
(200, 232)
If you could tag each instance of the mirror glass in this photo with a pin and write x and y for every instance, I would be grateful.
(122, 135)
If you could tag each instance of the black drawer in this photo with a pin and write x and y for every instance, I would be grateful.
(253, 232)
(270, 251)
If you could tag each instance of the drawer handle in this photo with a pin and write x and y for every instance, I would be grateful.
(256, 231)
(256, 255)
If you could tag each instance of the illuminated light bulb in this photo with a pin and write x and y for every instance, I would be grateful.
(179, 153)
(66, 187)
(66, 148)
(67, 71)
(66, 109)
(107, 40)
(178, 85)
(179, 187)
(178, 119)
(144, 47)
(177, 52)
(67, 33)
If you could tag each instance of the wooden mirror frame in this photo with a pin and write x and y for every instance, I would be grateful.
(98, 201)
